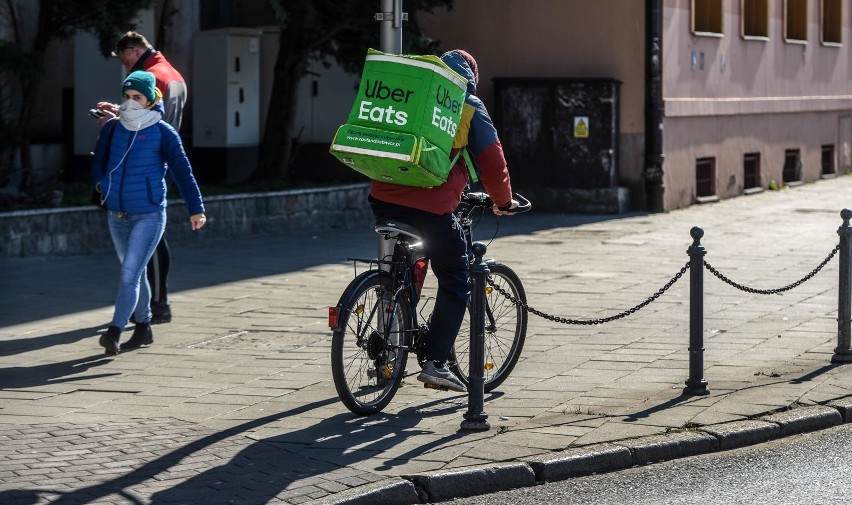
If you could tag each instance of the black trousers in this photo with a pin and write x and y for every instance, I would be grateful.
(158, 272)
(445, 245)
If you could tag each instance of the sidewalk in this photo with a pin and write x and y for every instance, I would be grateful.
(234, 402)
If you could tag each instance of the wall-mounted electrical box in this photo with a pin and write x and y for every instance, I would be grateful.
(226, 88)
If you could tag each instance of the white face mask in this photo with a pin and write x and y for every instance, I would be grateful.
(130, 105)
(135, 116)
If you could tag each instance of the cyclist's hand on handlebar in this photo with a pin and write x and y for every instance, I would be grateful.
(506, 212)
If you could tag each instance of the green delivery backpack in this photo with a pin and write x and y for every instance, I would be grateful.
(406, 114)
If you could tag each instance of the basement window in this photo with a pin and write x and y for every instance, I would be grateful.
(829, 167)
(751, 171)
(705, 177)
(792, 171)
(707, 17)
(755, 19)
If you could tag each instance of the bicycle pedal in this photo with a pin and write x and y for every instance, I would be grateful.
(435, 386)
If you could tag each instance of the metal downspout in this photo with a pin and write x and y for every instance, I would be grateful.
(654, 108)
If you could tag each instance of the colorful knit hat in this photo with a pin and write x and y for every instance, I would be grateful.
(143, 82)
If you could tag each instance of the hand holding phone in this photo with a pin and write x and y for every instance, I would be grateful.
(96, 113)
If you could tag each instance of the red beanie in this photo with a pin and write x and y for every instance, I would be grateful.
(471, 62)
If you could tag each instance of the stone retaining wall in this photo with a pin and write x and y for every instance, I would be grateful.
(81, 230)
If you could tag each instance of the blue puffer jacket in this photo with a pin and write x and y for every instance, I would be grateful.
(133, 179)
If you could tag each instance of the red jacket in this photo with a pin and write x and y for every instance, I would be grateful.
(477, 132)
(169, 82)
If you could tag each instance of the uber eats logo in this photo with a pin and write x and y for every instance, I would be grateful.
(445, 103)
(384, 104)
(389, 115)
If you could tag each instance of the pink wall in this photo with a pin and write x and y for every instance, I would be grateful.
(735, 67)
(761, 96)
(551, 38)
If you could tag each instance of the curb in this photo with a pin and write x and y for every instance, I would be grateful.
(805, 419)
(742, 433)
(597, 458)
(385, 492)
(465, 483)
(581, 461)
(655, 448)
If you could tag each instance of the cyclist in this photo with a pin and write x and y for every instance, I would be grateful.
(430, 210)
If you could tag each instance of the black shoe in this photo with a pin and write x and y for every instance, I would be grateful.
(142, 335)
(109, 340)
(161, 312)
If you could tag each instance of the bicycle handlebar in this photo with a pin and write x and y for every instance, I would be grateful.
(479, 199)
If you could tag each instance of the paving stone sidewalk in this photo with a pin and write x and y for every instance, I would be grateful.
(234, 402)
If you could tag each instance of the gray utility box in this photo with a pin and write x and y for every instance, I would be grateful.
(559, 132)
(226, 88)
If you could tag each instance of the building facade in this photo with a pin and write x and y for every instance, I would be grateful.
(754, 92)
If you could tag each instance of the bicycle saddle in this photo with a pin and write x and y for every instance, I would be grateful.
(393, 229)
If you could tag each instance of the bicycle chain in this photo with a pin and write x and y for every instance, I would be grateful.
(776, 290)
(565, 320)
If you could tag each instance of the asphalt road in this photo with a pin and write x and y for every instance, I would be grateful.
(812, 468)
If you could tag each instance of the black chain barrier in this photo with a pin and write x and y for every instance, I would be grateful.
(677, 276)
(776, 290)
(565, 320)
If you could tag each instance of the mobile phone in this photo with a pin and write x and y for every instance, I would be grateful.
(96, 113)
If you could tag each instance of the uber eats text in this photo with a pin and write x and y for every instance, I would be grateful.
(378, 90)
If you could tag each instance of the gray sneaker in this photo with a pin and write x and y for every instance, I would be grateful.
(441, 377)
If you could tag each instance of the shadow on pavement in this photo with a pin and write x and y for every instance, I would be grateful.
(631, 418)
(53, 373)
(22, 345)
(265, 468)
(39, 288)
(21, 496)
(814, 374)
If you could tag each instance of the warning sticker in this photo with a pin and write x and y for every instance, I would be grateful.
(581, 127)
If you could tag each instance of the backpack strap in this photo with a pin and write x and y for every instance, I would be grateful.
(468, 163)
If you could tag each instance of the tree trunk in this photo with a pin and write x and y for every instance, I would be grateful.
(30, 95)
(22, 140)
(276, 148)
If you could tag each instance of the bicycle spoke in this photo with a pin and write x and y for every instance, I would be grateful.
(366, 351)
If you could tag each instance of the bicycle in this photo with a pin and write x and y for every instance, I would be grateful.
(375, 323)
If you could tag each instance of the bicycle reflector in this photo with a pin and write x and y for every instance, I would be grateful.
(333, 312)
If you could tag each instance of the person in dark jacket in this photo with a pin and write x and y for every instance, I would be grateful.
(132, 154)
(135, 53)
(430, 210)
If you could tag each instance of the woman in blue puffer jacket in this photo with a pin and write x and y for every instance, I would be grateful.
(132, 155)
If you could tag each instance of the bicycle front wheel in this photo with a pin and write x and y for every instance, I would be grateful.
(505, 330)
(368, 347)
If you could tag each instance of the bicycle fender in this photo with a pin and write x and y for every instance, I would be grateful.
(352, 287)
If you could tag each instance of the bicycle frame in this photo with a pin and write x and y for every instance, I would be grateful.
(401, 266)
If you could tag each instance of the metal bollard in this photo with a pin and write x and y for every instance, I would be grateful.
(843, 353)
(475, 418)
(696, 385)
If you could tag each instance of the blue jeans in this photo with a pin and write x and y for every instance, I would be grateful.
(446, 247)
(135, 237)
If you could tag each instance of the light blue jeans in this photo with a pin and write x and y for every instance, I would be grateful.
(135, 237)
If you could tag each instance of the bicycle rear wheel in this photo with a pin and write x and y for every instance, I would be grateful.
(369, 346)
(505, 330)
